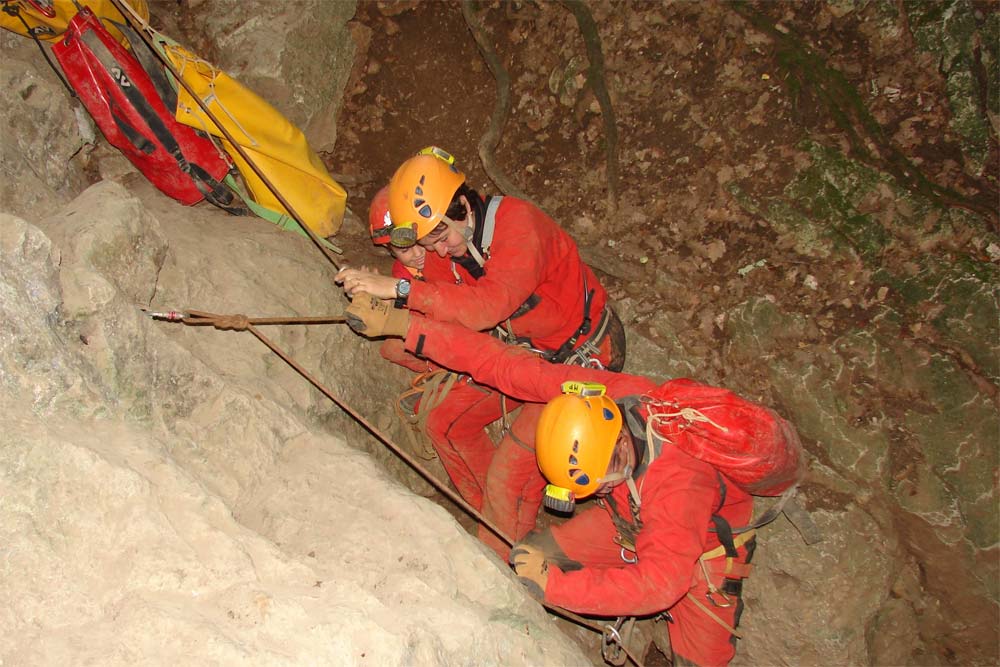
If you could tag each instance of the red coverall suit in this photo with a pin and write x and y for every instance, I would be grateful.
(392, 348)
(529, 255)
(679, 495)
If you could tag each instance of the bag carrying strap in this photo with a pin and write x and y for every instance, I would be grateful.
(13, 9)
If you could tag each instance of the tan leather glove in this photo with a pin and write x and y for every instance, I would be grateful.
(531, 568)
(371, 317)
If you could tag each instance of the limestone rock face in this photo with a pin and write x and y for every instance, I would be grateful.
(175, 495)
(45, 137)
(296, 55)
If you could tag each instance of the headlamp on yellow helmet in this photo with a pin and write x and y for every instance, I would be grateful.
(575, 440)
(419, 194)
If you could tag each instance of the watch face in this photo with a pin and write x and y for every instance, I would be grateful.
(403, 287)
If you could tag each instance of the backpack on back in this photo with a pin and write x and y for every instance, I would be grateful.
(747, 442)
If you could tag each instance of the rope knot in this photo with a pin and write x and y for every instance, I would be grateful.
(232, 322)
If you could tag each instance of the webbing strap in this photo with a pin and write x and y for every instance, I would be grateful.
(208, 186)
(489, 225)
(725, 534)
(715, 617)
(566, 349)
(283, 221)
(720, 551)
(15, 10)
(772, 512)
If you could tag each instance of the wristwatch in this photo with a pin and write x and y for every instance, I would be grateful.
(402, 292)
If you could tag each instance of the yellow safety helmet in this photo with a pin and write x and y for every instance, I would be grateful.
(574, 442)
(419, 194)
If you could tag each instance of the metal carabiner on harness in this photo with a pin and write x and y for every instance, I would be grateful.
(626, 548)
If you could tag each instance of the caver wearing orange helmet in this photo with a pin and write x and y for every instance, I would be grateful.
(673, 465)
(492, 261)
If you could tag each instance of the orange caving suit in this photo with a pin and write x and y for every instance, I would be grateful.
(530, 257)
(679, 495)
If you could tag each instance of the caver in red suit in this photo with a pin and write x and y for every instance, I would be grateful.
(532, 265)
(679, 495)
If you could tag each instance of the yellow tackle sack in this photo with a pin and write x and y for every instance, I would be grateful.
(48, 19)
(276, 146)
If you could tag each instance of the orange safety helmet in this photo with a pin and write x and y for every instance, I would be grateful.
(379, 221)
(419, 194)
(576, 438)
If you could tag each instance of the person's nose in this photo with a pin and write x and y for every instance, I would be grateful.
(441, 248)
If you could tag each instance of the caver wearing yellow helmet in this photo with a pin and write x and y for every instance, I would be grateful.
(575, 442)
(673, 466)
(493, 262)
(427, 194)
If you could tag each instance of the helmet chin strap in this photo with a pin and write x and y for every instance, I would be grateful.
(626, 475)
(467, 232)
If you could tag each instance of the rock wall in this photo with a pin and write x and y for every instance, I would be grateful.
(170, 482)
(173, 495)
(296, 55)
(178, 496)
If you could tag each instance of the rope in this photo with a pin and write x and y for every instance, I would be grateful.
(244, 323)
(428, 391)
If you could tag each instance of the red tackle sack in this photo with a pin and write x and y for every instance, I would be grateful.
(125, 104)
(748, 443)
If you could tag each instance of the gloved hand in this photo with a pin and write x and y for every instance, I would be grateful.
(531, 568)
(371, 316)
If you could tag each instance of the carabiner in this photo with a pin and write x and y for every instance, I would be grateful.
(612, 644)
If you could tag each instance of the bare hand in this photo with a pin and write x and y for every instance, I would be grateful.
(365, 280)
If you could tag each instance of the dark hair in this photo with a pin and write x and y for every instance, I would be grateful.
(456, 209)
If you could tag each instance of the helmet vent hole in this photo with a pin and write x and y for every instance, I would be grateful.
(579, 476)
(419, 190)
(573, 461)
(576, 446)
(608, 415)
(422, 179)
(425, 210)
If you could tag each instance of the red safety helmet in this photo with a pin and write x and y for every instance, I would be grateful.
(379, 221)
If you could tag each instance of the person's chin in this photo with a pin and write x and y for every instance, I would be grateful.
(457, 252)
